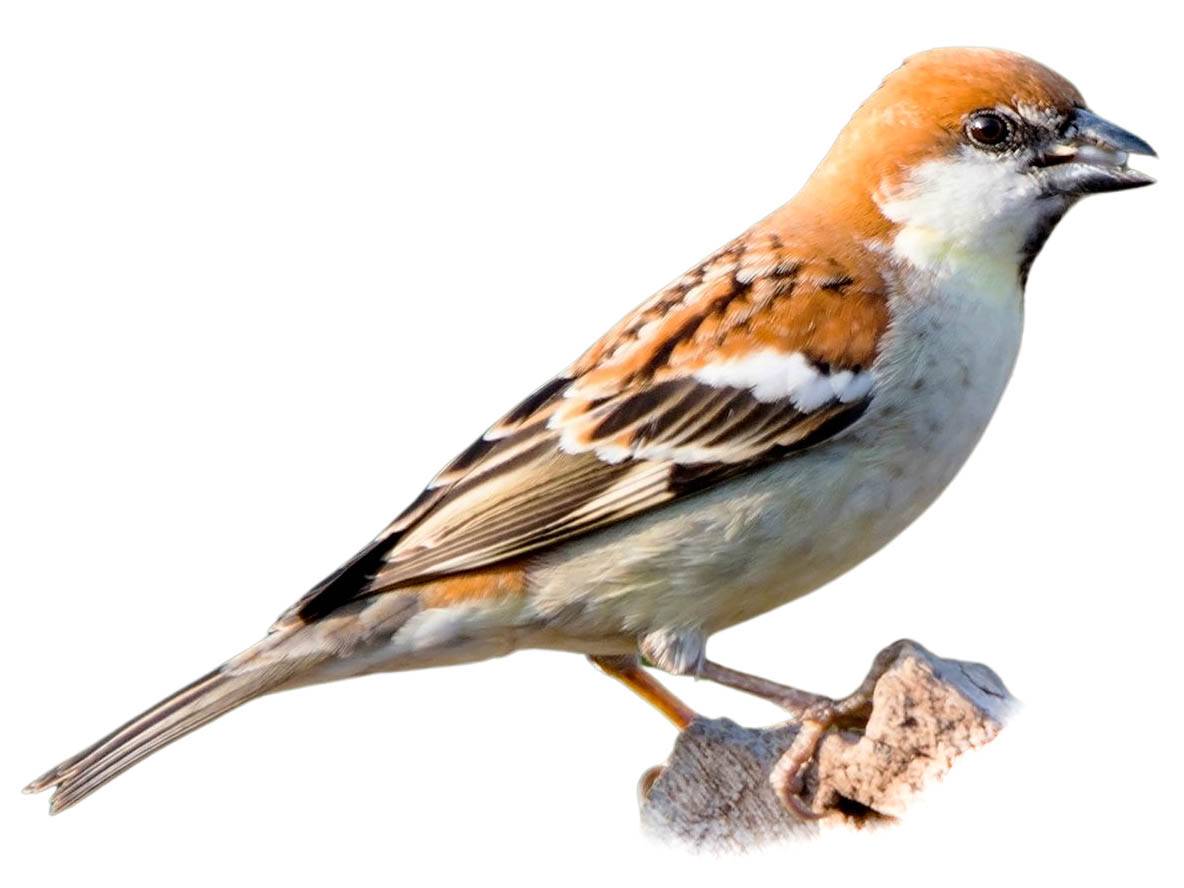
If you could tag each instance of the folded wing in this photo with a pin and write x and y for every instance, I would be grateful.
(753, 355)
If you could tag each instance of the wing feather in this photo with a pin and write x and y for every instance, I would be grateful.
(714, 376)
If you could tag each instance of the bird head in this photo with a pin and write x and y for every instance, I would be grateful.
(971, 152)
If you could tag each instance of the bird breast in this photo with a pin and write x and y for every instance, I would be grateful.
(754, 543)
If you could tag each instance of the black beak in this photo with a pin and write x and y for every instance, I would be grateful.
(1091, 157)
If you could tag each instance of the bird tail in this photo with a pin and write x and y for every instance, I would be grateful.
(259, 669)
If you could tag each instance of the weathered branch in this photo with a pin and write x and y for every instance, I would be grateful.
(714, 791)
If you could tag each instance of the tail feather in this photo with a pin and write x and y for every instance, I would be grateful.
(195, 705)
(293, 654)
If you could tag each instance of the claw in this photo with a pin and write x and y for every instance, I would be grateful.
(788, 776)
(814, 713)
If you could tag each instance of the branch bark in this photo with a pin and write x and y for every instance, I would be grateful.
(714, 792)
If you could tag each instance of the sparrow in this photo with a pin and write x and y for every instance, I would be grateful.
(753, 430)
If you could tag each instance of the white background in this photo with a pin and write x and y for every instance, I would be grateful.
(265, 267)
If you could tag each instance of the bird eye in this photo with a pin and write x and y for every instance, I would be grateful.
(988, 128)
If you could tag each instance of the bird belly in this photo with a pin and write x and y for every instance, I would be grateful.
(754, 543)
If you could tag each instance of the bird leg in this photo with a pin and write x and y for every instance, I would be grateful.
(628, 671)
(790, 699)
(815, 714)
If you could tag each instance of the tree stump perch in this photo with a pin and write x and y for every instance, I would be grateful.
(714, 792)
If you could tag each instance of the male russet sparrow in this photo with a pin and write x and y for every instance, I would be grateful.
(758, 427)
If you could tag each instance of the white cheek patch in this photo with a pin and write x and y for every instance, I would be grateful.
(774, 376)
(961, 207)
